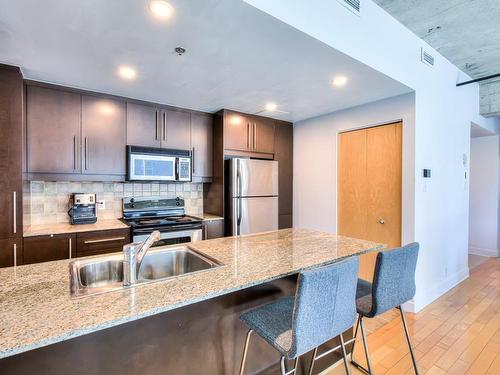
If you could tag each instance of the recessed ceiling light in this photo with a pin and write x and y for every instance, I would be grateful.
(126, 72)
(271, 107)
(161, 9)
(339, 81)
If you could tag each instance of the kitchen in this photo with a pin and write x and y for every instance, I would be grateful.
(165, 178)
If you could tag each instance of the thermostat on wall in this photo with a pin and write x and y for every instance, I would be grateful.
(426, 173)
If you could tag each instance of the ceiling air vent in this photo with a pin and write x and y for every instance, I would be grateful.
(427, 58)
(353, 5)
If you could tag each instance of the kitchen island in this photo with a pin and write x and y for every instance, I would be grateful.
(192, 317)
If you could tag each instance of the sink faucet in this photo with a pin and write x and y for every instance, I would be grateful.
(133, 254)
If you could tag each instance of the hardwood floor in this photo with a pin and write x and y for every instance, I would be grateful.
(457, 334)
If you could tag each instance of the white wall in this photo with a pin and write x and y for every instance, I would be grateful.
(443, 114)
(484, 196)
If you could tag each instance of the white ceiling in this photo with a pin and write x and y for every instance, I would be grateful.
(237, 57)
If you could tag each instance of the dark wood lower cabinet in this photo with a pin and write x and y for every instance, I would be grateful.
(48, 248)
(285, 221)
(101, 242)
(213, 229)
(10, 249)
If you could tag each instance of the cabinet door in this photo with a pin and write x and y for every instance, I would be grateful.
(284, 154)
(143, 127)
(213, 229)
(263, 136)
(53, 121)
(101, 242)
(201, 138)
(48, 248)
(11, 152)
(176, 130)
(103, 132)
(237, 129)
(10, 249)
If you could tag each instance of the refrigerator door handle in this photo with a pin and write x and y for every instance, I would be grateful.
(238, 194)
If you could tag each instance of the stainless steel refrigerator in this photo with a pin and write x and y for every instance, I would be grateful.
(253, 196)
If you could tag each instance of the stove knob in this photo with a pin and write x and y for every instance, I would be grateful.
(132, 200)
(177, 204)
(177, 198)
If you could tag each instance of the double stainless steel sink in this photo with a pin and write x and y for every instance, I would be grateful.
(105, 273)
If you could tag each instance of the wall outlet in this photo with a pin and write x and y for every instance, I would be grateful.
(101, 205)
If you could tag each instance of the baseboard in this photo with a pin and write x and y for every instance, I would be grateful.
(437, 291)
(491, 253)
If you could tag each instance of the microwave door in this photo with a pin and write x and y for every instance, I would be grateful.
(152, 167)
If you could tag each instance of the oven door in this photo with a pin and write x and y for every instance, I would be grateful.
(173, 237)
(144, 167)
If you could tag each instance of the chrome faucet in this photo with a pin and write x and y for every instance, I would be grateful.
(133, 254)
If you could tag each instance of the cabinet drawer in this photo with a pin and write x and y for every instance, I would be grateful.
(101, 242)
(47, 248)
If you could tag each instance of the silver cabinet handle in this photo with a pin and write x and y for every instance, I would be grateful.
(254, 136)
(192, 161)
(105, 240)
(74, 152)
(165, 126)
(381, 220)
(86, 149)
(156, 125)
(15, 254)
(69, 247)
(14, 215)
(248, 135)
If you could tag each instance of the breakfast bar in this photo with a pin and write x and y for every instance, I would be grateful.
(188, 317)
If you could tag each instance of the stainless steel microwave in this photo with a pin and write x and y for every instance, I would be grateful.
(158, 164)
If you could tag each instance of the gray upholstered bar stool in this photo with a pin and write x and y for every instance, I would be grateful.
(323, 308)
(393, 284)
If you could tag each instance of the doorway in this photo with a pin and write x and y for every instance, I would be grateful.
(370, 187)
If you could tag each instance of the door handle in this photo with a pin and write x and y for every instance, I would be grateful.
(74, 152)
(156, 125)
(165, 126)
(381, 220)
(104, 240)
(69, 248)
(14, 213)
(192, 161)
(254, 136)
(14, 251)
(85, 152)
(248, 135)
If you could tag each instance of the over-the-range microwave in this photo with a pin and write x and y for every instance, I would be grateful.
(158, 164)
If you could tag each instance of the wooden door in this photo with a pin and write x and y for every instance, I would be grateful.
(201, 138)
(104, 133)
(176, 130)
(53, 123)
(369, 188)
(283, 153)
(48, 248)
(10, 249)
(143, 125)
(11, 152)
(237, 132)
(263, 136)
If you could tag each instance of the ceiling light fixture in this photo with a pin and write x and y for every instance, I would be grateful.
(271, 107)
(339, 81)
(161, 9)
(126, 72)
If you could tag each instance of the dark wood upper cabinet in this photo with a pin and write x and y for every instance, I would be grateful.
(201, 139)
(237, 129)
(48, 248)
(103, 136)
(176, 130)
(283, 152)
(11, 151)
(53, 123)
(10, 249)
(143, 125)
(263, 136)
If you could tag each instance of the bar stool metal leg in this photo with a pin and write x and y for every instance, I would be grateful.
(312, 361)
(344, 355)
(354, 338)
(283, 368)
(408, 339)
(367, 354)
(245, 350)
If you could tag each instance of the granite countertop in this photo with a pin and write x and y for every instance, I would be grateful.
(36, 308)
(61, 228)
(211, 217)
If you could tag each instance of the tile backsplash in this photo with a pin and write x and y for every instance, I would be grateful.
(48, 202)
